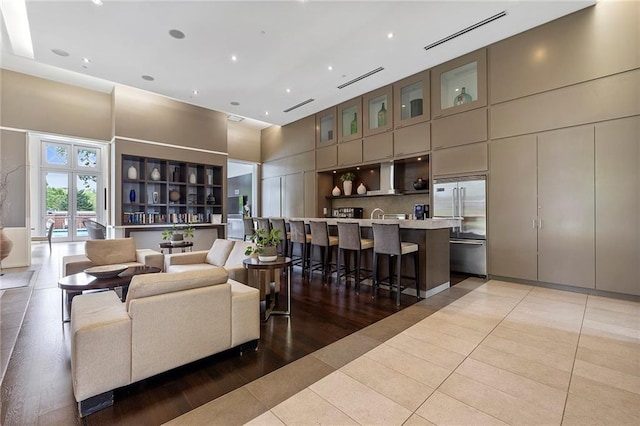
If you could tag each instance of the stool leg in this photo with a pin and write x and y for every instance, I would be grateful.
(390, 275)
(374, 288)
(416, 266)
(341, 255)
(357, 254)
(398, 271)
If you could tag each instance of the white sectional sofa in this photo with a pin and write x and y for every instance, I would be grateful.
(167, 320)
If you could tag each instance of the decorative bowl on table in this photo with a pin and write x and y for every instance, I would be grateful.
(106, 271)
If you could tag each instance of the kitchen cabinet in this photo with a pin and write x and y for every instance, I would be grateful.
(378, 147)
(271, 197)
(327, 157)
(350, 153)
(411, 140)
(411, 100)
(350, 120)
(167, 191)
(460, 129)
(460, 160)
(378, 111)
(326, 127)
(292, 195)
(459, 85)
(541, 207)
(617, 166)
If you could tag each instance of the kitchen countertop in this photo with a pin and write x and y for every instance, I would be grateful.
(438, 223)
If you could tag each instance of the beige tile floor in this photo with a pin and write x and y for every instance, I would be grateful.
(504, 353)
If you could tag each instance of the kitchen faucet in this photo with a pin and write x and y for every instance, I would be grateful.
(375, 210)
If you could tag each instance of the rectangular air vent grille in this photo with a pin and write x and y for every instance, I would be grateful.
(466, 30)
(363, 76)
(299, 105)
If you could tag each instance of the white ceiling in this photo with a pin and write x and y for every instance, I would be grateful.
(279, 45)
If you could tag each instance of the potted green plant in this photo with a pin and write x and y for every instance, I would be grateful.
(347, 182)
(266, 244)
(177, 233)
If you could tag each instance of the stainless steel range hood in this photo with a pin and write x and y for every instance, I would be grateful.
(387, 186)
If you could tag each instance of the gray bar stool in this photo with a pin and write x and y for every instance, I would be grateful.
(247, 224)
(350, 241)
(386, 241)
(298, 235)
(263, 223)
(320, 238)
(277, 223)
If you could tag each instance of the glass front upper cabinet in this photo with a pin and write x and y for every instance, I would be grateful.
(378, 111)
(411, 100)
(350, 120)
(460, 85)
(326, 125)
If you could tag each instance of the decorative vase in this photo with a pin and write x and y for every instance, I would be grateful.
(209, 179)
(354, 124)
(347, 185)
(361, 189)
(382, 116)
(177, 238)
(155, 174)
(5, 245)
(155, 197)
(416, 107)
(192, 178)
(174, 195)
(462, 98)
(269, 254)
(420, 184)
(132, 173)
(132, 195)
(336, 191)
(176, 174)
(211, 199)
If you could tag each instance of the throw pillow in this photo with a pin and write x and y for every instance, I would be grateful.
(219, 252)
(111, 252)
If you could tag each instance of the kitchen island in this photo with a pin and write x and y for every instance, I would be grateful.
(432, 237)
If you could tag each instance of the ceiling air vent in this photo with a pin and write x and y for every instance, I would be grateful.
(363, 76)
(466, 30)
(299, 105)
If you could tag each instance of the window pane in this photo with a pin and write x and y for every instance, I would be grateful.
(87, 157)
(57, 154)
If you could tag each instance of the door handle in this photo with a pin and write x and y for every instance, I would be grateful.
(467, 243)
(535, 225)
(453, 201)
(540, 224)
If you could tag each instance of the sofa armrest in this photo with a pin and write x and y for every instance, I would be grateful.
(150, 257)
(74, 264)
(100, 344)
(185, 258)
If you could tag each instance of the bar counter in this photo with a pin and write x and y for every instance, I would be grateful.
(432, 237)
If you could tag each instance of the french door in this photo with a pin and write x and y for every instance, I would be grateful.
(71, 184)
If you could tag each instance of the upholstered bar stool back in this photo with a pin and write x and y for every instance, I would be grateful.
(350, 241)
(247, 224)
(284, 242)
(386, 241)
(263, 223)
(320, 238)
(297, 235)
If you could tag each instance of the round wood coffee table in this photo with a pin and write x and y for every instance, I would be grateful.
(267, 301)
(77, 283)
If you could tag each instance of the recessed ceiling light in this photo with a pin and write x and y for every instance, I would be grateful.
(235, 118)
(234, 58)
(288, 90)
(176, 34)
(148, 78)
(266, 113)
(195, 92)
(86, 60)
(390, 35)
(235, 103)
(60, 52)
(97, 2)
(329, 67)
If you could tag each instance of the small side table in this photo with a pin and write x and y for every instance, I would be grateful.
(267, 301)
(181, 245)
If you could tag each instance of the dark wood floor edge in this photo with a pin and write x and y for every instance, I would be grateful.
(30, 286)
(569, 288)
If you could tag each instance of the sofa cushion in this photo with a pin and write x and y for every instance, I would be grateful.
(110, 252)
(219, 252)
(147, 285)
(237, 256)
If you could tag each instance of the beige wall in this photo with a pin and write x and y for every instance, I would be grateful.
(13, 154)
(243, 143)
(36, 104)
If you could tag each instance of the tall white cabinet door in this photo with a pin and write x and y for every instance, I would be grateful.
(271, 197)
(293, 195)
(618, 206)
(310, 194)
(512, 233)
(566, 207)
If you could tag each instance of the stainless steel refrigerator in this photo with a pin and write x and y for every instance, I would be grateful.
(466, 198)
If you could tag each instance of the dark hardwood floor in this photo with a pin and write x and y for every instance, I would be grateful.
(37, 387)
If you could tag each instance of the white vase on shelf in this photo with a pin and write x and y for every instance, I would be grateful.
(132, 173)
(347, 185)
(361, 190)
(155, 174)
(192, 178)
(336, 191)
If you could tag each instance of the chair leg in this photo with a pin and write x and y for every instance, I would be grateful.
(398, 272)
(390, 275)
(357, 254)
(374, 288)
(416, 266)
(341, 255)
